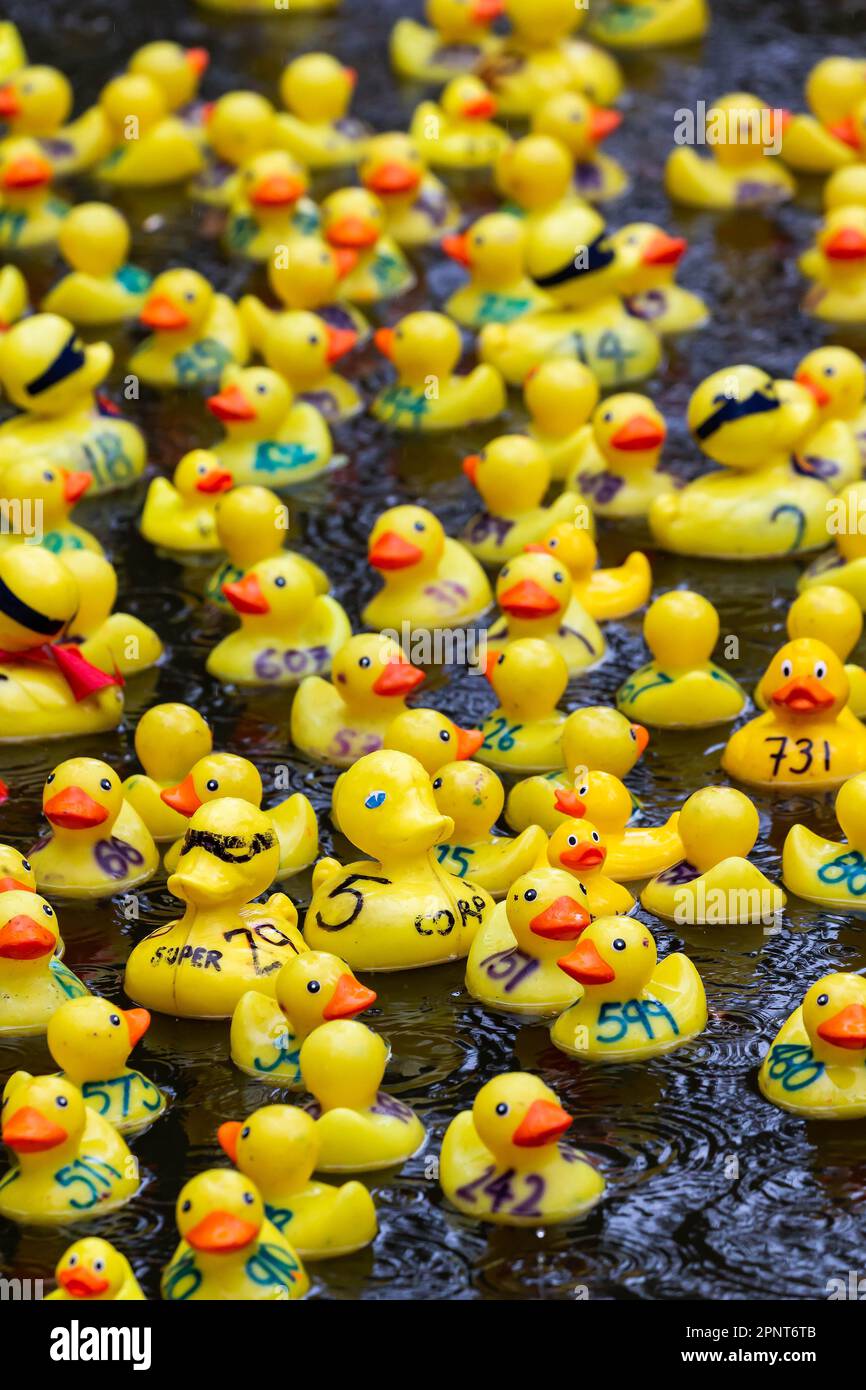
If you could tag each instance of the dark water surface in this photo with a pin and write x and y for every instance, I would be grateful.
(712, 1192)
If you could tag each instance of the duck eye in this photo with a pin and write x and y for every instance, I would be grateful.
(596, 836)
(502, 1108)
(186, 1206)
(48, 477)
(420, 526)
(531, 894)
(313, 987)
(619, 944)
(114, 1020)
(582, 887)
(559, 576)
(50, 777)
(829, 371)
(437, 784)
(72, 1261)
(189, 297)
(364, 663)
(105, 784)
(249, 1199)
(787, 669)
(374, 801)
(607, 416)
(49, 911)
(820, 670)
(62, 1102)
(262, 389)
(313, 340)
(25, 864)
(572, 840)
(500, 659)
(99, 1266)
(822, 1000)
(245, 1132)
(582, 791)
(552, 543)
(212, 785)
(444, 735)
(280, 581)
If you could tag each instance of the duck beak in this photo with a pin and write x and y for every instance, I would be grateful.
(569, 803)
(491, 661)
(664, 250)
(215, 480)
(846, 1029)
(27, 171)
(470, 467)
(197, 60)
(277, 191)
(351, 76)
(543, 1122)
(528, 600)
(183, 798)
(468, 742)
(219, 1233)
(161, 313)
(73, 809)
(391, 552)
(585, 856)
(457, 247)
(4, 790)
(75, 485)
(803, 695)
(349, 998)
(848, 244)
(138, 1022)
(639, 433)
(585, 965)
(819, 393)
(481, 108)
(846, 131)
(231, 405)
(11, 885)
(353, 232)
(10, 103)
(398, 678)
(245, 595)
(228, 1135)
(485, 11)
(603, 122)
(384, 341)
(340, 342)
(23, 938)
(536, 548)
(81, 1283)
(641, 738)
(393, 178)
(563, 920)
(28, 1131)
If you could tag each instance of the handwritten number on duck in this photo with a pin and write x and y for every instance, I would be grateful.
(347, 886)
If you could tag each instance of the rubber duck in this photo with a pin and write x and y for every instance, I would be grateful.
(617, 463)
(90, 1040)
(267, 1034)
(269, 206)
(196, 333)
(431, 738)
(316, 127)
(16, 872)
(830, 872)
(311, 275)
(541, 55)
(267, 432)
(410, 911)
(681, 688)
(97, 845)
(199, 965)
(523, 733)
(36, 102)
(648, 283)
(833, 616)
(418, 207)
(535, 599)
(165, 150)
(14, 296)
(360, 1128)
(571, 118)
(238, 126)
(512, 474)
(425, 348)
(33, 981)
(579, 849)
(808, 738)
(559, 397)
(226, 774)
(169, 740)
(372, 267)
(650, 23)
(339, 720)
(287, 630)
(53, 378)
(743, 169)
(12, 52)
(604, 593)
(633, 852)
(115, 642)
(176, 70)
(826, 396)
(824, 139)
(229, 1251)
(48, 689)
(303, 348)
(473, 797)
(535, 177)
(31, 214)
(458, 131)
(633, 1006)
(836, 265)
(93, 1271)
(69, 1163)
(101, 286)
(277, 1147)
(814, 1066)
(429, 579)
(499, 290)
(457, 38)
(49, 493)
(252, 524)
(180, 515)
(844, 566)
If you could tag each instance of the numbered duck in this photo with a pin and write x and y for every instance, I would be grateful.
(492, 251)
(181, 514)
(431, 738)
(33, 981)
(90, 1040)
(651, 258)
(542, 55)
(505, 1160)
(304, 349)
(473, 797)
(167, 150)
(196, 333)
(617, 463)
(371, 265)
(48, 494)
(524, 732)
(604, 593)
(843, 567)
(36, 102)
(535, 598)
(32, 213)
(93, 1271)
(455, 38)
(560, 396)
(112, 641)
(822, 139)
(268, 434)
(743, 169)
(512, 474)
(814, 1067)
(571, 118)
(169, 740)
(425, 347)
(418, 207)
(429, 580)
(837, 266)
(316, 127)
(579, 848)
(100, 286)
(833, 616)
(252, 525)
(238, 126)
(458, 131)
(651, 23)
(830, 872)
(269, 207)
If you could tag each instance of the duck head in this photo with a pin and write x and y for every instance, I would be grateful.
(276, 1147)
(573, 546)
(518, 1119)
(614, 958)
(577, 847)
(252, 402)
(535, 172)
(353, 221)
(92, 1269)
(463, 20)
(25, 172)
(385, 805)
(43, 1118)
(467, 98)
(199, 477)
(422, 345)
(573, 120)
(805, 680)
(39, 597)
(832, 615)
(647, 255)
(170, 738)
(303, 347)
(219, 1213)
(36, 101)
(214, 775)
(600, 796)
(472, 796)
(834, 86)
(406, 543)
(252, 522)
(95, 239)
(432, 738)
(851, 810)
(133, 95)
(53, 489)
(316, 987)
(717, 823)
(511, 473)
(569, 256)
(82, 797)
(29, 930)
(343, 1063)
(834, 1016)
(272, 183)
(46, 369)
(276, 594)
(835, 379)
(630, 431)
(560, 395)
(317, 88)
(240, 126)
(179, 302)
(371, 668)
(230, 855)
(735, 416)
(176, 70)
(529, 677)
(392, 166)
(90, 1039)
(743, 128)
(851, 128)
(681, 628)
(492, 249)
(16, 872)
(534, 592)
(601, 738)
(547, 909)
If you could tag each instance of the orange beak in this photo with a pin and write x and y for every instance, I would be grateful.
(10, 104)
(485, 11)
(563, 920)
(228, 1135)
(393, 178)
(345, 260)
(536, 548)
(398, 678)
(457, 247)
(803, 695)
(160, 313)
(468, 742)
(340, 342)
(75, 485)
(81, 1283)
(197, 59)
(138, 1022)
(4, 790)
(391, 552)
(353, 232)
(641, 738)
(846, 1029)
(23, 938)
(183, 798)
(231, 405)
(349, 998)
(543, 1123)
(27, 171)
(528, 600)
(585, 965)
(384, 340)
(664, 250)
(28, 1131)
(846, 131)
(351, 75)
(11, 885)
(639, 433)
(73, 809)
(481, 108)
(470, 467)
(491, 661)
(215, 480)
(848, 244)
(219, 1233)
(603, 122)
(245, 595)
(583, 856)
(278, 191)
(569, 803)
(820, 394)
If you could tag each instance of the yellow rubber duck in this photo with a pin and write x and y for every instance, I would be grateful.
(90, 1040)
(277, 1147)
(524, 732)
(418, 207)
(181, 514)
(36, 102)
(633, 852)
(226, 774)
(196, 332)
(31, 214)
(429, 579)
(741, 171)
(371, 266)
(604, 593)
(398, 908)
(837, 266)
(808, 737)
(48, 493)
(316, 127)
(339, 720)
(572, 119)
(833, 616)
(169, 740)
(33, 981)
(287, 630)
(101, 286)
(93, 1271)
(458, 131)
(199, 965)
(229, 1252)
(473, 797)
(252, 524)
(164, 149)
(303, 348)
(97, 845)
(650, 23)
(269, 206)
(648, 287)
(579, 849)
(12, 53)
(681, 688)
(16, 872)
(827, 394)
(360, 1128)
(70, 1163)
(596, 738)
(535, 177)
(117, 643)
(535, 598)
(238, 126)
(267, 432)
(176, 70)
(823, 139)
(311, 989)
(14, 296)
(843, 567)
(457, 38)
(617, 463)
(431, 738)
(425, 348)
(499, 290)
(309, 276)
(830, 872)
(560, 396)
(53, 378)
(633, 1006)
(512, 474)
(814, 1066)
(541, 55)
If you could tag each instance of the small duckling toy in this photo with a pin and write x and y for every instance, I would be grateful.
(617, 464)
(715, 885)
(16, 872)
(844, 566)
(169, 740)
(808, 737)
(681, 688)
(166, 150)
(512, 475)
(33, 981)
(200, 965)
(535, 598)
(836, 266)
(604, 593)
(650, 258)
(360, 1128)
(303, 348)
(571, 118)
(535, 176)
(90, 1040)
(31, 214)
(418, 207)
(252, 525)
(828, 872)
(505, 1161)
(741, 171)
(229, 1252)
(827, 395)
(633, 1006)
(406, 910)
(181, 514)
(560, 396)
(14, 296)
(338, 721)
(524, 731)
(101, 286)
(473, 797)
(429, 579)
(425, 348)
(93, 1271)
(814, 1067)
(431, 738)
(267, 1034)
(457, 38)
(176, 70)
(372, 268)
(316, 127)
(277, 1147)
(98, 845)
(36, 103)
(578, 848)
(499, 290)
(70, 1163)
(634, 852)
(238, 126)
(196, 333)
(287, 630)
(826, 138)
(542, 56)
(48, 493)
(459, 132)
(833, 616)
(650, 23)
(109, 640)
(269, 207)
(268, 434)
